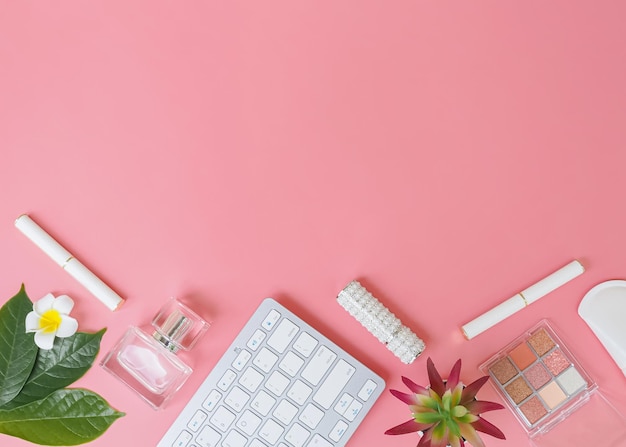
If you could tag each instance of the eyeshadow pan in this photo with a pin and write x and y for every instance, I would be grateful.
(571, 381)
(522, 356)
(503, 370)
(541, 342)
(537, 375)
(552, 395)
(556, 362)
(518, 390)
(533, 409)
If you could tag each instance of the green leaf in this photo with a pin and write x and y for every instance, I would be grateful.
(427, 418)
(446, 401)
(65, 417)
(67, 361)
(17, 348)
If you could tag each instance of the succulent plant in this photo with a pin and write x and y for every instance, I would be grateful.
(446, 413)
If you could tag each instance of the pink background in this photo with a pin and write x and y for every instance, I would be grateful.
(447, 154)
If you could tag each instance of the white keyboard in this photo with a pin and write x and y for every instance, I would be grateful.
(281, 383)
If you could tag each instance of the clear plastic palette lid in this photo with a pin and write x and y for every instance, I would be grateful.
(595, 422)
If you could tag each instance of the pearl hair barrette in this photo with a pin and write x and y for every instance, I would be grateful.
(380, 322)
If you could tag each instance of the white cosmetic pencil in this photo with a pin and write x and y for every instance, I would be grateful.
(522, 299)
(68, 262)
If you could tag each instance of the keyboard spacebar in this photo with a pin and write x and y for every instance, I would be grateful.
(334, 383)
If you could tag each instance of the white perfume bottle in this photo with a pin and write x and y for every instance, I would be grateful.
(148, 363)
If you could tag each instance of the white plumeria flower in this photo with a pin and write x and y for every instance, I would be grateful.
(50, 318)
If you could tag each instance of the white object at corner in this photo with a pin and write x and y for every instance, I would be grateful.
(68, 262)
(522, 299)
(603, 309)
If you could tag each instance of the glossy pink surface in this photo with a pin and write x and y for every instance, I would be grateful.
(446, 154)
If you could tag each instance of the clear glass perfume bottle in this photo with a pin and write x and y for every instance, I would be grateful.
(148, 363)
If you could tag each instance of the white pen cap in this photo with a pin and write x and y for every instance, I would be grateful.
(68, 262)
(553, 281)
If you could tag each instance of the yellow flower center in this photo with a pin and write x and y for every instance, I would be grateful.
(50, 321)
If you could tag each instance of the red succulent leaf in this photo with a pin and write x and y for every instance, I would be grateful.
(440, 435)
(409, 399)
(488, 427)
(456, 442)
(425, 439)
(414, 387)
(482, 406)
(436, 382)
(407, 427)
(470, 434)
(469, 392)
(455, 374)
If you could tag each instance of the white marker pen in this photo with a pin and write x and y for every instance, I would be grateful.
(68, 262)
(522, 299)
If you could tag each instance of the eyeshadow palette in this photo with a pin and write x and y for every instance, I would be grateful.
(538, 377)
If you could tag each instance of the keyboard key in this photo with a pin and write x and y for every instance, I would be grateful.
(318, 441)
(212, 399)
(197, 420)
(283, 335)
(319, 364)
(251, 379)
(334, 383)
(297, 435)
(305, 344)
(270, 320)
(343, 403)
(226, 380)
(285, 412)
(256, 443)
(248, 422)
(234, 439)
(367, 390)
(291, 364)
(299, 392)
(183, 439)
(222, 418)
(236, 399)
(241, 360)
(277, 383)
(271, 431)
(338, 430)
(255, 341)
(208, 437)
(265, 360)
(353, 410)
(311, 416)
(263, 403)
